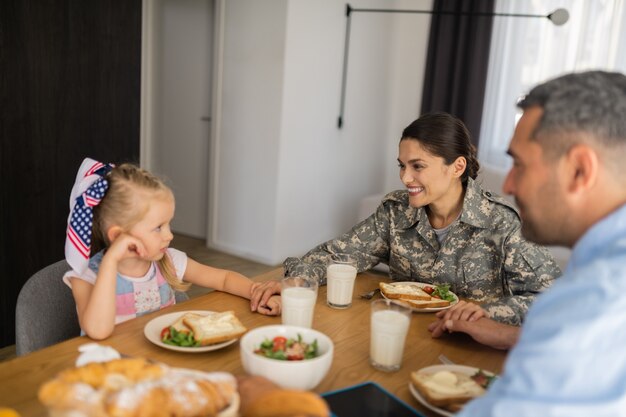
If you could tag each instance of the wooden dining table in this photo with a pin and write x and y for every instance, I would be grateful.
(20, 378)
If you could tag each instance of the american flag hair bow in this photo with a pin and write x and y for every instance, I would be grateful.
(88, 190)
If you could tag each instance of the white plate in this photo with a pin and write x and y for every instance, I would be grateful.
(462, 369)
(153, 329)
(422, 285)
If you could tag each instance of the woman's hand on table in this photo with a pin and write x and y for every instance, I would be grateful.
(261, 292)
(273, 306)
(486, 331)
(463, 310)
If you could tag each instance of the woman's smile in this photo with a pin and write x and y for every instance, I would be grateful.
(413, 191)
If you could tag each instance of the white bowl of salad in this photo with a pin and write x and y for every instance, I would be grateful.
(290, 356)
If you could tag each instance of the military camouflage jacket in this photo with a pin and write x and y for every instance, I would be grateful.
(484, 257)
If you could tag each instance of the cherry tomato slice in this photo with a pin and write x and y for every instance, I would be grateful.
(279, 343)
(428, 290)
(165, 333)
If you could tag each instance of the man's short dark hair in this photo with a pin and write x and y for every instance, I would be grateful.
(591, 103)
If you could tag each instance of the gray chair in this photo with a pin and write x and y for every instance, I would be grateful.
(45, 313)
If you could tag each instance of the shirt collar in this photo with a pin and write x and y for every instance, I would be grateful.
(475, 210)
(609, 229)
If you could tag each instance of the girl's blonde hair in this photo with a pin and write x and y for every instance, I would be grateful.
(125, 204)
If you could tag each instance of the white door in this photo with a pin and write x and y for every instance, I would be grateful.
(183, 45)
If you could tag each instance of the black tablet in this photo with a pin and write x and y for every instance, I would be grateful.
(367, 400)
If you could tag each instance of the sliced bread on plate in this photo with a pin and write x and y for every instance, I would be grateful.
(180, 326)
(403, 291)
(432, 303)
(446, 389)
(215, 327)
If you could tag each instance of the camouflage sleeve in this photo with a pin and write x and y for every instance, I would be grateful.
(528, 270)
(367, 242)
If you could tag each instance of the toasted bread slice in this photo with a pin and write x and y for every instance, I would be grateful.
(286, 402)
(215, 327)
(446, 389)
(180, 326)
(403, 291)
(432, 303)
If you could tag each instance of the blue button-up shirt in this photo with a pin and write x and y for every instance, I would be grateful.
(571, 356)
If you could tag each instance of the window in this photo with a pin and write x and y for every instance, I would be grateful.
(527, 51)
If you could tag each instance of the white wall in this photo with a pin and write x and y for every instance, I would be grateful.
(285, 177)
(409, 45)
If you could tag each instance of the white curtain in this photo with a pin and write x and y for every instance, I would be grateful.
(527, 51)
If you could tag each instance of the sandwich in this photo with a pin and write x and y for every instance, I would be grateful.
(411, 295)
(180, 326)
(432, 303)
(447, 389)
(214, 327)
(404, 292)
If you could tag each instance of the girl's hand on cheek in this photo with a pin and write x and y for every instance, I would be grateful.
(126, 246)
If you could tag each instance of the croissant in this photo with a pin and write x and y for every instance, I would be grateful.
(135, 388)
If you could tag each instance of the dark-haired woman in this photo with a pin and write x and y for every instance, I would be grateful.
(443, 228)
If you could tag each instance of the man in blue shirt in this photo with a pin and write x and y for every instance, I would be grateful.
(569, 181)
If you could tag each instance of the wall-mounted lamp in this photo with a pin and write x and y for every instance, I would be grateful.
(558, 17)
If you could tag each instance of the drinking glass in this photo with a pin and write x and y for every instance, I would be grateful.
(340, 276)
(389, 327)
(299, 295)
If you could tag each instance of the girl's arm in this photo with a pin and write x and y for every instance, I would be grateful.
(224, 280)
(96, 304)
(218, 279)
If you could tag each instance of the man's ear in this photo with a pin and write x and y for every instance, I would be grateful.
(459, 165)
(581, 168)
(113, 232)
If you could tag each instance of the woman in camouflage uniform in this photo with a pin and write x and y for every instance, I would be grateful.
(444, 229)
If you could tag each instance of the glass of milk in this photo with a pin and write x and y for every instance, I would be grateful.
(389, 327)
(299, 295)
(340, 275)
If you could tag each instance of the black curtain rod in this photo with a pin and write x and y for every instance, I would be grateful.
(349, 10)
(558, 17)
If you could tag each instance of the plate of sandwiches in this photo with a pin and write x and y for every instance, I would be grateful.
(194, 331)
(445, 389)
(419, 296)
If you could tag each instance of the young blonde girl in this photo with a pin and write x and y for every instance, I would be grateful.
(118, 248)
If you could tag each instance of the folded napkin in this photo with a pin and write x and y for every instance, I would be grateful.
(93, 352)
